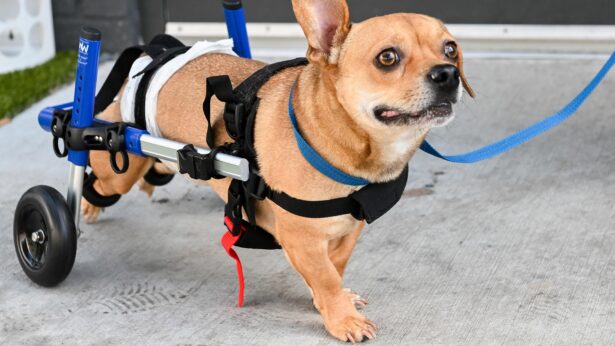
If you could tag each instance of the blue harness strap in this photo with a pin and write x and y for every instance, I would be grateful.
(527, 134)
(314, 158)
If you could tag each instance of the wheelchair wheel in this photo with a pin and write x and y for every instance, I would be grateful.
(45, 236)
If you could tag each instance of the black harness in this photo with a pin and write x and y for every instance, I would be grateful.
(241, 105)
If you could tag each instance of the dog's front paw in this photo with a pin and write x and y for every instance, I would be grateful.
(89, 211)
(355, 328)
(358, 301)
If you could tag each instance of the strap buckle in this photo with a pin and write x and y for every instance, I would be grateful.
(256, 186)
(234, 120)
(196, 165)
(232, 209)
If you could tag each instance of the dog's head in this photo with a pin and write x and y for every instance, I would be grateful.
(395, 74)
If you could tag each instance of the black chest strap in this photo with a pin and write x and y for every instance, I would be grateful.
(368, 203)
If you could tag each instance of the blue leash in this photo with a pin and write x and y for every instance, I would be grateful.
(481, 154)
(525, 135)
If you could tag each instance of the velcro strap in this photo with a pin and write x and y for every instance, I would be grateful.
(223, 89)
(228, 240)
(95, 198)
(157, 179)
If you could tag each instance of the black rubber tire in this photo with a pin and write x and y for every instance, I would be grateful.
(157, 179)
(47, 264)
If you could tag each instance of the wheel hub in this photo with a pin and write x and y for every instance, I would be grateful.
(38, 236)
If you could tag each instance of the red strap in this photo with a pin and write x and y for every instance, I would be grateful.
(228, 240)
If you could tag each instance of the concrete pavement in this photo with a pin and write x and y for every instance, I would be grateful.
(517, 250)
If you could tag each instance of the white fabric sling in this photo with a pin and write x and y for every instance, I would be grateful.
(164, 73)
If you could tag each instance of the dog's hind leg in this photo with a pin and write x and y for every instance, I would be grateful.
(148, 188)
(308, 252)
(110, 183)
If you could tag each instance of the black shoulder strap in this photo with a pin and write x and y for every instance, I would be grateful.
(223, 89)
(247, 90)
(148, 72)
(121, 68)
(241, 102)
(118, 74)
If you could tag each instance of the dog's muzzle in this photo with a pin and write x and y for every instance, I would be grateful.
(445, 81)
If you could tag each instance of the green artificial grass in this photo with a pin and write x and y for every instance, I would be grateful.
(22, 88)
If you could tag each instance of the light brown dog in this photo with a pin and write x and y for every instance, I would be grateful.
(365, 102)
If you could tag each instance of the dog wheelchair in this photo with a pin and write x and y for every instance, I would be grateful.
(46, 225)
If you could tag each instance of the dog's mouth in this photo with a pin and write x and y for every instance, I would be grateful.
(439, 111)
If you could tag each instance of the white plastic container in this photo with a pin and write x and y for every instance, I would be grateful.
(26, 34)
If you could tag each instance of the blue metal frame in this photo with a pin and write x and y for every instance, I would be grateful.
(236, 27)
(83, 103)
(87, 71)
(132, 136)
(85, 92)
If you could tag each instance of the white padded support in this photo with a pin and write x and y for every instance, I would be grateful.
(161, 77)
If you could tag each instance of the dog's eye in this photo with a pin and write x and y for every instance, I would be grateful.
(388, 58)
(450, 50)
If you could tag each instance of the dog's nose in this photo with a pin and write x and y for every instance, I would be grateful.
(445, 77)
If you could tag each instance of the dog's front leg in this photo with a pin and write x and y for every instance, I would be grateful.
(340, 250)
(308, 251)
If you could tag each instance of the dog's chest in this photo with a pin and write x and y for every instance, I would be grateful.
(336, 227)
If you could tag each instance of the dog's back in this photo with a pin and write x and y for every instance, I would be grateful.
(187, 88)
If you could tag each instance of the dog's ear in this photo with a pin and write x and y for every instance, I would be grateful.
(462, 75)
(325, 24)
